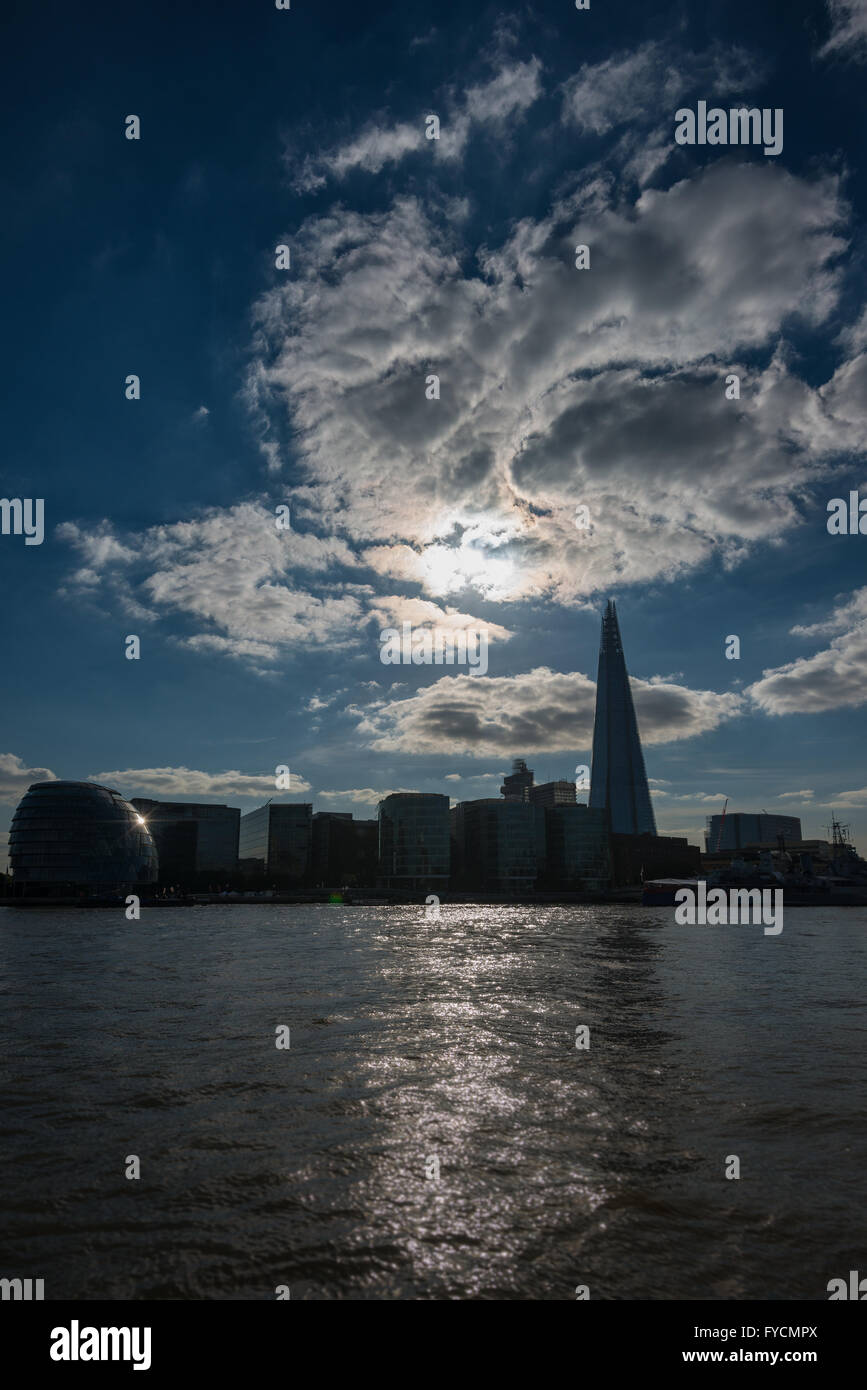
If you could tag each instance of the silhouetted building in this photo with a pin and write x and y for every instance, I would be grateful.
(414, 846)
(516, 786)
(618, 781)
(279, 837)
(637, 857)
(192, 837)
(497, 844)
(560, 793)
(577, 851)
(344, 851)
(69, 838)
(741, 828)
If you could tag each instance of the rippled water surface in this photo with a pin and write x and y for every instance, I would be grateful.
(413, 1040)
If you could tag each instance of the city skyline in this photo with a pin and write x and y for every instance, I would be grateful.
(462, 428)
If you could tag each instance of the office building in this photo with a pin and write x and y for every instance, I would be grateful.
(635, 858)
(193, 838)
(279, 836)
(516, 786)
(577, 850)
(414, 845)
(344, 851)
(560, 793)
(739, 829)
(618, 781)
(497, 844)
(74, 838)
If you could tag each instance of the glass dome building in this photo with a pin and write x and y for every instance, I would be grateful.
(78, 837)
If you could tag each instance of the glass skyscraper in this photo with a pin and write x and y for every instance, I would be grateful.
(618, 781)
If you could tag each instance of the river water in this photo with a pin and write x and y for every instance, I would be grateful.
(415, 1040)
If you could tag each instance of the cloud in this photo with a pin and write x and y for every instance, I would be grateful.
(848, 801)
(806, 794)
(602, 388)
(393, 610)
(231, 570)
(16, 777)
(848, 29)
(633, 88)
(186, 784)
(505, 96)
(834, 678)
(256, 590)
(541, 711)
(362, 796)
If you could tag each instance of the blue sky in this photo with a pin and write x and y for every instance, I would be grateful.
(559, 388)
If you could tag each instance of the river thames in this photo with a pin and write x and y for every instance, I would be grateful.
(418, 1045)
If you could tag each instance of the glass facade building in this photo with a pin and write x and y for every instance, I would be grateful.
(191, 836)
(577, 852)
(498, 844)
(618, 782)
(344, 850)
(278, 837)
(72, 836)
(414, 842)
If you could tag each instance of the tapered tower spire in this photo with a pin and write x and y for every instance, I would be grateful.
(618, 780)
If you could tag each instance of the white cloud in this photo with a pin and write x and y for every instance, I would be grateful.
(848, 29)
(848, 801)
(252, 586)
(834, 678)
(541, 711)
(604, 388)
(507, 95)
(16, 777)
(362, 796)
(188, 784)
(231, 570)
(393, 610)
(639, 92)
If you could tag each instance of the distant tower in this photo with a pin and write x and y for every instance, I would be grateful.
(517, 786)
(618, 781)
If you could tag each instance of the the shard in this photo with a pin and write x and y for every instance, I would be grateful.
(618, 781)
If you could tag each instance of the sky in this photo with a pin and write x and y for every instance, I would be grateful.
(307, 387)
